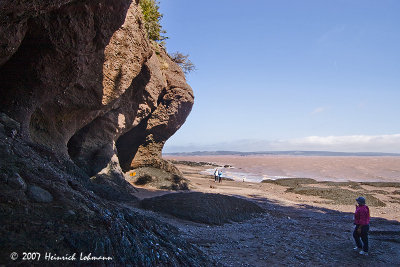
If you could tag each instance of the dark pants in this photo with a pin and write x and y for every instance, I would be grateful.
(363, 236)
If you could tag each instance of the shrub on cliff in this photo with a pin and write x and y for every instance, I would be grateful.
(183, 61)
(152, 19)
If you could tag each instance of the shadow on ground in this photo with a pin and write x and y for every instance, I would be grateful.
(283, 235)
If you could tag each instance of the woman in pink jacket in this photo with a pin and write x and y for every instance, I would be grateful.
(361, 220)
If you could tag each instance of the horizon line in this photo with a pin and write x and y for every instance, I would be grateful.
(227, 152)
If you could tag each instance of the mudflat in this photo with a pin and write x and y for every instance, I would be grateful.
(304, 221)
(383, 197)
(321, 168)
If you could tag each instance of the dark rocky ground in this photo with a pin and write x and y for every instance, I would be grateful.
(47, 204)
(292, 236)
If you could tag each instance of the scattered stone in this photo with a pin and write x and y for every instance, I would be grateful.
(38, 194)
(16, 182)
(70, 213)
(194, 163)
(10, 126)
(13, 133)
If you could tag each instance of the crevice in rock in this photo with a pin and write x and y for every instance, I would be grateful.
(128, 144)
(39, 127)
(18, 76)
(91, 152)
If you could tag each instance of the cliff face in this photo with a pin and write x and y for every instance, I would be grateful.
(84, 96)
(83, 80)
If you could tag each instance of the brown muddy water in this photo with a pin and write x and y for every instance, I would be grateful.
(320, 168)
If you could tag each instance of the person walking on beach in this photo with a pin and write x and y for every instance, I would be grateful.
(219, 176)
(361, 220)
(216, 175)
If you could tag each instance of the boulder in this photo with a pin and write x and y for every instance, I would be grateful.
(214, 209)
(38, 194)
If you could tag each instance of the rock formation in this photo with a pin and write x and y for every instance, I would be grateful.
(83, 80)
(84, 97)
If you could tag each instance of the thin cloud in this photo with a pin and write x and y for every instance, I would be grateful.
(351, 139)
(331, 34)
(350, 143)
(361, 105)
(318, 110)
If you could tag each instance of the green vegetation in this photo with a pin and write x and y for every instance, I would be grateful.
(183, 61)
(291, 182)
(382, 184)
(158, 178)
(337, 195)
(334, 192)
(152, 19)
(155, 32)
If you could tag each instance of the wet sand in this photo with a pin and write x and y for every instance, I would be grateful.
(279, 194)
(319, 230)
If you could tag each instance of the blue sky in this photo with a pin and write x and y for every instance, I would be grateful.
(286, 75)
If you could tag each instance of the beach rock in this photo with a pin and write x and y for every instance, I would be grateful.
(204, 208)
(8, 126)
(84, 97)
(93, 84)
(16, 182)
(38, 194)
(8, 122)
(158, 178)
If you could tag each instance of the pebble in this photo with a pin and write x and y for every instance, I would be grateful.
(38, 194)
(16, 182)
(70, 213)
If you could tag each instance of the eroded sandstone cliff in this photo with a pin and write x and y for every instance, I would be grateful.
(83, 80)
(84, 97)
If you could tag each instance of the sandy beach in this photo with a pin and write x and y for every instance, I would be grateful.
(296, 227)
(320, 168)
(205, 183)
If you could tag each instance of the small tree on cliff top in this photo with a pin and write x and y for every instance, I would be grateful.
(154, 30)
(183, 61)
(152, 19)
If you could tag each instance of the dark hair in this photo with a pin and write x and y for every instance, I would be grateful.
(361, 200)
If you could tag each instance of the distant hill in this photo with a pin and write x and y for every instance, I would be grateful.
(288, 153)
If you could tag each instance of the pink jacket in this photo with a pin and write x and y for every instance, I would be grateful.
(361, 216)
